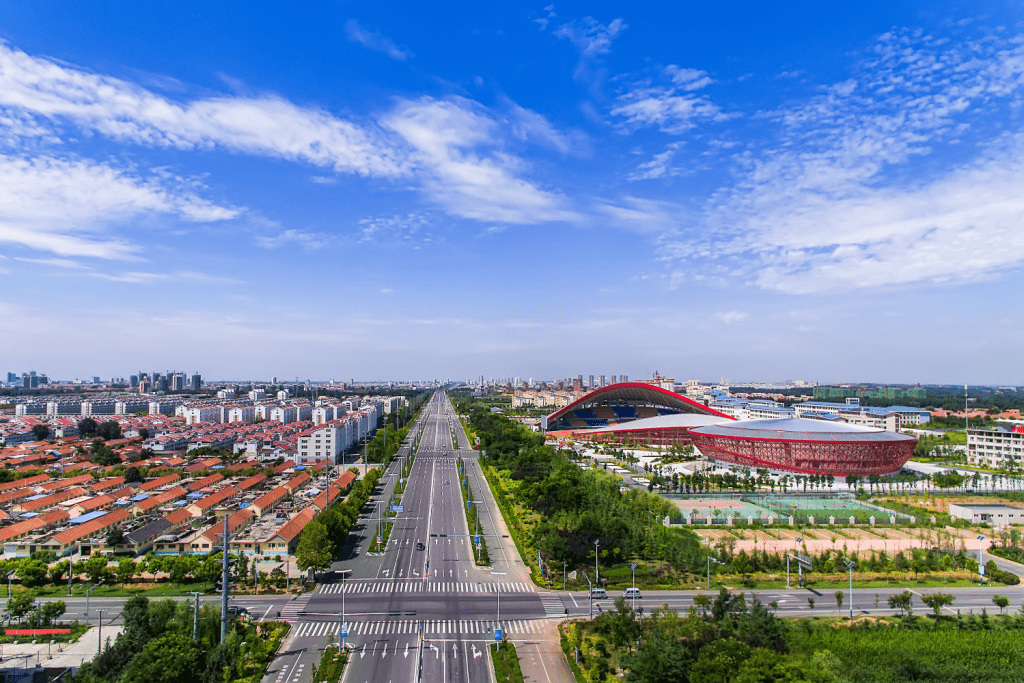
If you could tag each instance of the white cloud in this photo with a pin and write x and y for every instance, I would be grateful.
(375, 41)
(732, 317)
(306, 240)
(688, 79)
(659, 166)
(454, 148)
(267, 126)
(130, 277)
(671, 108)
(68, 207)
(824, 209)
(545, 20)
(404, 229)
(593, 39)
(528, 125)
(448, 138)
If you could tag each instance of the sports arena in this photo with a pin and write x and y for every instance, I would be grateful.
(635, 413)
(805, 445)
(632, 412)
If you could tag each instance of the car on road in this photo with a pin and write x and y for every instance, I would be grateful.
(420, 546)
(598, 593)
(631, 593)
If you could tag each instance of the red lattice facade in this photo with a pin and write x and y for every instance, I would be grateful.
(838, 458)
(665, 436)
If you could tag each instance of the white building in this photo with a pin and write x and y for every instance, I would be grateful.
(244, 414)
(196, 414)
(996, 447)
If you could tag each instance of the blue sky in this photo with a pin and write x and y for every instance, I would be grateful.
(336, 190)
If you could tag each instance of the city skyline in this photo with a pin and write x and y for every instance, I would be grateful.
(829, 194)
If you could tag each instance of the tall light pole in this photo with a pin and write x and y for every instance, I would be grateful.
(9, 575)
(99, 645)
(850, 565)
(590, 594)
(981, 560)
(195, 617)
(87, 592)
(798, 542)
(597, 567)
(498, 593)
(710, 560)
(632, 570)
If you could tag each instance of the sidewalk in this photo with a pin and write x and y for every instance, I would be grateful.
(61, 655)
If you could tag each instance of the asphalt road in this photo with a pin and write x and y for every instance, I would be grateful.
(428, 614)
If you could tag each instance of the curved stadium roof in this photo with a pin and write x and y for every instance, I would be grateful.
(634, 394)
(801, 429)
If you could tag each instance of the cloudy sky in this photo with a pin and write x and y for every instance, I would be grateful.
(382, 190)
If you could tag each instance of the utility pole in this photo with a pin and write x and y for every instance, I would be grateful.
(195, 617)
(224, 587)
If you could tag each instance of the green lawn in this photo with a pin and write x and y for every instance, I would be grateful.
(506, 663)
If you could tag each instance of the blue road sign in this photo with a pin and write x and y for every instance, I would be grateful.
(476, 539)
(397, 508)
(469, 504)
(344, 631)
(497, 634)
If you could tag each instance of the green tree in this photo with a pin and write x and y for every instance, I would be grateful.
(32, 572)
(839, 599)
(20, 604)
(87, 427)
(115, 538)
(58, 570)
(127, 568)
(96, 568)
(133, 476)
(172, 658)
(50, 612)
(40, 431)
(1001, 601)
(108, 431)
(936, 601)
(904, 602)
(315, 551)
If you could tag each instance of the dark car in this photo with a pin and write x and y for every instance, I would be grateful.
(420, 546)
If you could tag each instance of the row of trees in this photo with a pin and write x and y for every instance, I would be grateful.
(324, 536)
(573, 507)
(156, 646)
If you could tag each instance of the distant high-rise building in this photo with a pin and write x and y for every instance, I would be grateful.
(590, 384)
(177, 381)
(12, 377)
(273, 380)
(95, 380)
(133, 381)
(601, 381)
(624, 378)
(197, 381)
(614, 379)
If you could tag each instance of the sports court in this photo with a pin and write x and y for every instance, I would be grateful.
(719, 507)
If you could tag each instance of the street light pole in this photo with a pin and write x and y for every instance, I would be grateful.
(597, 567)
(710, 560)
(498, 592)
(87, 593)
(632, 570)
(981, 560)
(99, 645)
(850, 565)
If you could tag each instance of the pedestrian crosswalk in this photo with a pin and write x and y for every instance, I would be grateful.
(552, 603)
(313, 629)
(293, 608)
(421, 586)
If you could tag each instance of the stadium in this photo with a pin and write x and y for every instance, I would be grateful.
(635, 413)
(805, 445)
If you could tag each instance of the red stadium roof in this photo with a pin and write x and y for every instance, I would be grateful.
(627, 393)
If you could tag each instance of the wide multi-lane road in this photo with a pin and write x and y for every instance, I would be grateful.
(419, 608)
